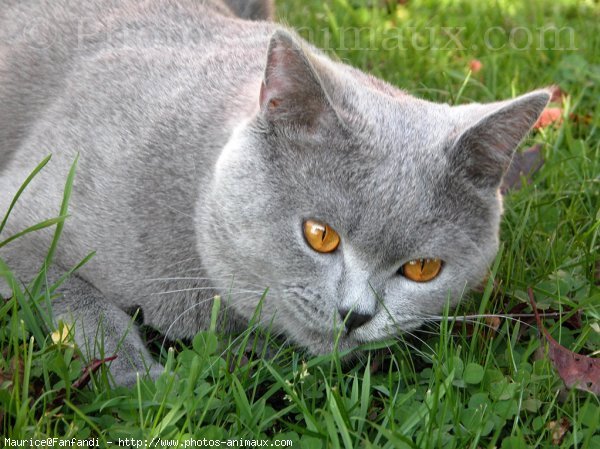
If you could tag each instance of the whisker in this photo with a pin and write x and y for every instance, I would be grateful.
(413, 335)
(190, 278)
(484, 324)
(191, 289)
(231, 344)
(177, 211)
(256, 326)
(198, 304)
(401, 339)
(474, 318)
(499, 315)
(428, 332)
(181, 261)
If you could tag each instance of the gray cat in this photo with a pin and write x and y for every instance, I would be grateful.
(220, 155)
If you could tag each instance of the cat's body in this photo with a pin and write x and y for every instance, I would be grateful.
(205, 141)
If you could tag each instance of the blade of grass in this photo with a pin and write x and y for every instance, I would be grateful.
(36, 227)
(340, 420)
(26, 305)
(423, 411)
(64, 208)
(32, 175)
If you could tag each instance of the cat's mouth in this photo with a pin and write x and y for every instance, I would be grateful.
(320, 329)
(341, 338)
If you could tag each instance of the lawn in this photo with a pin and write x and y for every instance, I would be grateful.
(462, 383)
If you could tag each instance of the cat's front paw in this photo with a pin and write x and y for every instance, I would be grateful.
(129, 377)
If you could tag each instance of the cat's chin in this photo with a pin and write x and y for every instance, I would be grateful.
(351, 345)
(350, 350)
(323, 340)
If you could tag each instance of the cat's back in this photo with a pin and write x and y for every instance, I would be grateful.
(60, 24)
(51, 47)
(144, 92)
(53, 31)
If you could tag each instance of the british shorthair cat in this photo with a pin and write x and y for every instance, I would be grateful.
(224, 156)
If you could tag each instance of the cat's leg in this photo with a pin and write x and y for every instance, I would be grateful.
(100, 328)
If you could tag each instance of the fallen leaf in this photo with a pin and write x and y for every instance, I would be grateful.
(83, 380)
(91, 368)
(548, 117)
(524, 164)
(475, 65)
(558, 429)
(576, 370)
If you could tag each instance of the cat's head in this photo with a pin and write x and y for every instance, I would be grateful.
(361, 208)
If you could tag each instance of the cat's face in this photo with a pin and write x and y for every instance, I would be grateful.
(363, 211)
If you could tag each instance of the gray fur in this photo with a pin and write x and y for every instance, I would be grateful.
(205, 140)
(252, 9)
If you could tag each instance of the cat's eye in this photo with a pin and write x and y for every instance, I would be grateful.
(421, 270)
(320, 236)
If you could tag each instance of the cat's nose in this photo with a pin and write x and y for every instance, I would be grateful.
(354, 320)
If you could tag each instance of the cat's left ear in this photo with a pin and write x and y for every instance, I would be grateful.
(485, 149)
(293, 91)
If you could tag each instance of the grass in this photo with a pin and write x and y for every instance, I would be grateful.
(462, 386)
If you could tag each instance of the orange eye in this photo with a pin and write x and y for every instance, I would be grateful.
(320, 236)
(422, 270)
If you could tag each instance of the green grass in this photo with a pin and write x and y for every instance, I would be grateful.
(457, 387)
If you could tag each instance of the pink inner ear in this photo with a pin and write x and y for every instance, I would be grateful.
(267, 101)
(291, 90)
(270, 96)
(276, 81)
(267, 96)
(274, 103)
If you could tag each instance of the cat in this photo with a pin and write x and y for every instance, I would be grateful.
(225, 156)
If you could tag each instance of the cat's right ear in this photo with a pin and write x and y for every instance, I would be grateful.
(484, 150)
(292, 92)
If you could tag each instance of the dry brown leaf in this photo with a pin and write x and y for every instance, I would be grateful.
(83, 380)
(576, 370)
(94, 366)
